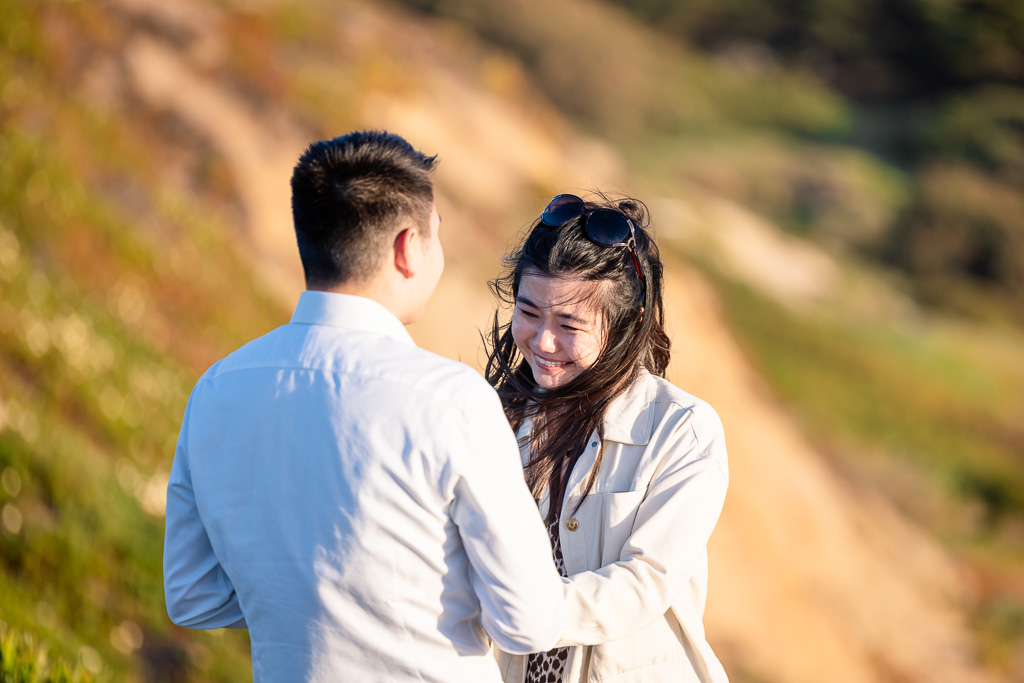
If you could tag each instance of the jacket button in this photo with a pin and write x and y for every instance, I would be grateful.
(572, 525)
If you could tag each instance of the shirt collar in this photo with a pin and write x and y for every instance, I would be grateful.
(349, 312)
(629, 419)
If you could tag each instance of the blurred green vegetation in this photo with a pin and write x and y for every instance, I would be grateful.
(866, 49)
(115, 288)
(841, 197)
(22, 660)
(625, 83)
(948, 404)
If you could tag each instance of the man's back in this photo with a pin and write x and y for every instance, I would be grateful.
(356, 492)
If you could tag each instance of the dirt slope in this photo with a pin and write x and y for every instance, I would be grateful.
(812, 579)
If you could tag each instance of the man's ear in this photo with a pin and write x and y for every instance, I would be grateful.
(405, 252)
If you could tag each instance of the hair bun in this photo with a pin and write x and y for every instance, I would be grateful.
(634, 209)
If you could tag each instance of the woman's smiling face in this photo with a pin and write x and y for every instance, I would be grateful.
(557, 328)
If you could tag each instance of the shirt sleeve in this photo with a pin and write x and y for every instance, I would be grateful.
(197, 591)
(669, 537)
(513, 571)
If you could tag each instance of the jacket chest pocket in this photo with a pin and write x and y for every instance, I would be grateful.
(624, 468)
(602, 526)
(619, 511)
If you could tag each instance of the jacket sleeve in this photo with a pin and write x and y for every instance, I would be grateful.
(513, 572)
(669, 538)
(197, 591)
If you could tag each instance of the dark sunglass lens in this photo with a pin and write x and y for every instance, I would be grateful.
(562, 209)
(607, 227)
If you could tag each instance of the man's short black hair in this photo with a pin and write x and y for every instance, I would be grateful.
(351, 196)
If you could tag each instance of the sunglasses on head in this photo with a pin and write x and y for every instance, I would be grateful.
(604, 227)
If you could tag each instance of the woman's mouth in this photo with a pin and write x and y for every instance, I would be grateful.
(544, 363)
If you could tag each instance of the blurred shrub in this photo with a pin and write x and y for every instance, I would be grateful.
(624, 81)
(876, 49)
(1001, 624)
(984, 127)
(964, 225)
(839, 196)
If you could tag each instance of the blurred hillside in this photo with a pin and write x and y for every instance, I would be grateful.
(875, 522)
(934, 90)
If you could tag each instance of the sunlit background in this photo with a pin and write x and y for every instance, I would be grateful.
(837, 187)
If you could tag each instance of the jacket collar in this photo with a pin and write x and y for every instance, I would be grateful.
(629, 419)
(348, 312)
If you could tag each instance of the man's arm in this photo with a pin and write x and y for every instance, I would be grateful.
(514, 574)
(197, 591)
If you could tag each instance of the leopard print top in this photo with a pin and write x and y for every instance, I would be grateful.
(548, 667)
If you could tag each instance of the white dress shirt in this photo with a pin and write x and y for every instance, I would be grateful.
(358, 504)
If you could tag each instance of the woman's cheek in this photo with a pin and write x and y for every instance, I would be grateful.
(519, 333)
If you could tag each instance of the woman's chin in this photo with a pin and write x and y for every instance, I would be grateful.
(551, 380)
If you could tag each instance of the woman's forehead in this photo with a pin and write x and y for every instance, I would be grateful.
(562, 292)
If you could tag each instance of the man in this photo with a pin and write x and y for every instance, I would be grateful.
(354, 501)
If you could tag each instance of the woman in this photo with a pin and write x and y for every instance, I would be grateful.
(629, 471)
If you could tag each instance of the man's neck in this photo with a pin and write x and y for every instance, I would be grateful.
(375, 290)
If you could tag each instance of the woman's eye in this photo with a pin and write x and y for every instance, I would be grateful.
(528, 314)
(569, 329)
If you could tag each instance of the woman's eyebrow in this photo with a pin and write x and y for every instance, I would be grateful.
(525, 302)
(568, 316)
(575, 319)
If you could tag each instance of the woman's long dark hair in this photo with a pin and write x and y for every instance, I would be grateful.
(565, 417)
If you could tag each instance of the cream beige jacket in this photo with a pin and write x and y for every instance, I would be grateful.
(636, 550)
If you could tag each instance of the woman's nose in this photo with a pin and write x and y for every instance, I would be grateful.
(545, 339)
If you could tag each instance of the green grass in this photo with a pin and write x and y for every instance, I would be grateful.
(913, 393)
(117, 293)
(24, 660)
